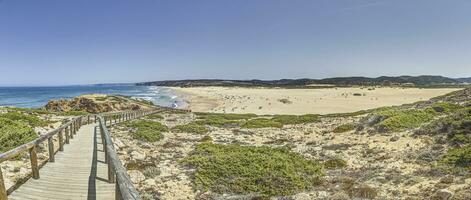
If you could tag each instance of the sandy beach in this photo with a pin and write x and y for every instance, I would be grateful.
(300, 101)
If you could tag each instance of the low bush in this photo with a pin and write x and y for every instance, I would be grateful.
(154, 116)
(335, 163)
(219, 122)
(226, 116)
(191, 128)
(444, 107)
(344, 128)
(31, 120)
(296, 119)
(236, 169)
(458, 157)
(147, 130)
(398, 120)
(262, 123)
(14, 133)
(73, 113)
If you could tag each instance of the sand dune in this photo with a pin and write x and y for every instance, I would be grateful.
(301, 101)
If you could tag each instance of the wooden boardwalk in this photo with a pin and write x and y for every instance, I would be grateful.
(79, 172)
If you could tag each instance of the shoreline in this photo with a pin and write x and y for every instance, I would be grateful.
(193, 101)
(270, 101)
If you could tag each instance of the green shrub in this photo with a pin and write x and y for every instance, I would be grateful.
(207, 138)
(219, 122)
(294, 119)
(191, 128)
(344, 128)
(444, 107)
(73, 113)
(226, 116)
(29, 110)
(335, 163)
(262, 123)
(237, 169)
(147, 130)
(154, 116)
(456, 126)
(458, 157)
(14, 133)
(398, 120)
(32, 120)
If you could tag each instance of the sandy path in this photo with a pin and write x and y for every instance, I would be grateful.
(300, 101)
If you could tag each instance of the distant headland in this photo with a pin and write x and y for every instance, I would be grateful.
(418, 81)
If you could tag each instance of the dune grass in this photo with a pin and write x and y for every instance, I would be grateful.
(145, 130)
(236, 169)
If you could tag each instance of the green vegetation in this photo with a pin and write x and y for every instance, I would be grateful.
(154, 116)
(29, 110)
(262, 123)
(458, 157)
(73, 113)
(344, 128)
(295, 119)
(456, 126)
(147, 130)
(443, 107)
(222, 119)
(237, 169)
(31, 120)
(191, 128)
(335, 163)
(219, 122)
(398, 119)
(226, 116)
(14, 133)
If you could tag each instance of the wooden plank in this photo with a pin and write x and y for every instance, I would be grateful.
(33, 157)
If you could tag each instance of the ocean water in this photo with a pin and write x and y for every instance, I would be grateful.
(35, 97)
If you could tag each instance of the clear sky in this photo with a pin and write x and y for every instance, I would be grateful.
(59, 42)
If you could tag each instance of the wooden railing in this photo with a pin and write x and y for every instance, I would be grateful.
(68, 130)
(116, 171)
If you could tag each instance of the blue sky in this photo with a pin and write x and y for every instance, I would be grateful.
(57, 42)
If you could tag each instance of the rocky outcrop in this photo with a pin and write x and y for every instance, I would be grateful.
(96, 104)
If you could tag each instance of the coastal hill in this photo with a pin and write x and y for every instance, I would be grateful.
(338, 81)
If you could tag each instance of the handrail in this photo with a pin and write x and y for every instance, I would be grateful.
(116, 171)
(69, 129)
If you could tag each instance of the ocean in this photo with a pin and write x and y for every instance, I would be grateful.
(35, 97)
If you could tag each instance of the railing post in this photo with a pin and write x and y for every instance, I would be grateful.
(103, 141)
(67, 136)
(61, 141)
(111, 173)
(50, 145)
(88, 119)
(71, 131)
(3, 190)
(117, 192)
(33, 157)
